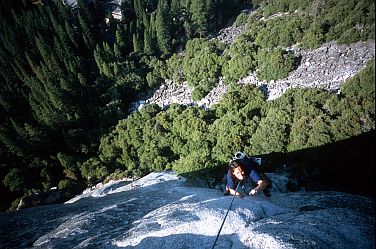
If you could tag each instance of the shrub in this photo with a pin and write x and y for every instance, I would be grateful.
(314, 36)
(68, 186)
(175, 70)
(14, 204)
(65, 184)
(275, 64)
(241, 19)
(93, 170)
(242, 59)
(202, 65)
(16, 180)
(271, 134)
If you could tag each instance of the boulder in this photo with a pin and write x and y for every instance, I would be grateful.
(46, 198)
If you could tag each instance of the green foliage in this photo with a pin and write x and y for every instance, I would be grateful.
(299, 135)
(117, 175)
(243, 58)
(322, 21)
(65, 184)
(175, 70)
(14, 204)
(310, 117)
(68, 162)
(159, 72)
(93, 170)
(314, 36)
(347, 125)
(241, 98)
(275, 64)
(283, 31)
(62, 91)
(356, 112)
(241, 20)
(361, 88)
(195, 161)
(16, 180)
(163, 27)
(350, 21)
(202, 65)
(320, 133)
(271, 134)
(231, 133)
(68, 186)
(273, 7)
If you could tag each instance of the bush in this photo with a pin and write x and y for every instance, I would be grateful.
(314, 37)
(202, 65)
(349, 21)
(284, 31)
(242, 59)
(93, 170)
(66, 184)
(275, 64)
(175, 70)
(241, 19)
(271, 134)
(158, 73)
(117, 175)
(16, 180)
(68, 162)
(14, 204)
(194, 162)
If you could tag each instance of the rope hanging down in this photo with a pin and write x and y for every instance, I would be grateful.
(224, 219)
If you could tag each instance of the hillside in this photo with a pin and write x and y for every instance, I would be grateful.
(277, 80)
(327, 67)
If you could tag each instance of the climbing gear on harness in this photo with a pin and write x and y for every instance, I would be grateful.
(239, 155)
(224, 219)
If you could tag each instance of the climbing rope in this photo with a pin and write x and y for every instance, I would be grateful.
(224, 219)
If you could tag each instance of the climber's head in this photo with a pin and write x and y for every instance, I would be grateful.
(236, 170)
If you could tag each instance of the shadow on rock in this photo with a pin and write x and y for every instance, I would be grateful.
(187, 241)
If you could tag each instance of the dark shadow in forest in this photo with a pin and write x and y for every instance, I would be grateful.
(346, 166)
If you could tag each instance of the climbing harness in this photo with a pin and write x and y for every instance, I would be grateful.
(224, 219)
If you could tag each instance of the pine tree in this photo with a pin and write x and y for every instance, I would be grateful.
(121, 39)
(176, 6)
(163, 27)
(85, 20)
(138, 8)
(137, 45)
(153, 30)
(148, 42)
(199, 17)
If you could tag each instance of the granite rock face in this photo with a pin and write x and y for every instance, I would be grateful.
(161, 211)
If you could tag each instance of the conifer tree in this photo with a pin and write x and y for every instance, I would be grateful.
(199, 17)
(163, 27)
(85, 20)
(148, 41)
(121, 39)
(137, 45)
(153, 31)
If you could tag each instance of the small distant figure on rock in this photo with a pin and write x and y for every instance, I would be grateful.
(247, 171)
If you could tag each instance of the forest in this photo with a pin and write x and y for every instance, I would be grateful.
(68, 75)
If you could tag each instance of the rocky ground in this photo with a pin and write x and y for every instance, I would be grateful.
(326, 67)
(162, 210)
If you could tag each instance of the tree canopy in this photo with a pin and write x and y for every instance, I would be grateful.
(70, 74)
